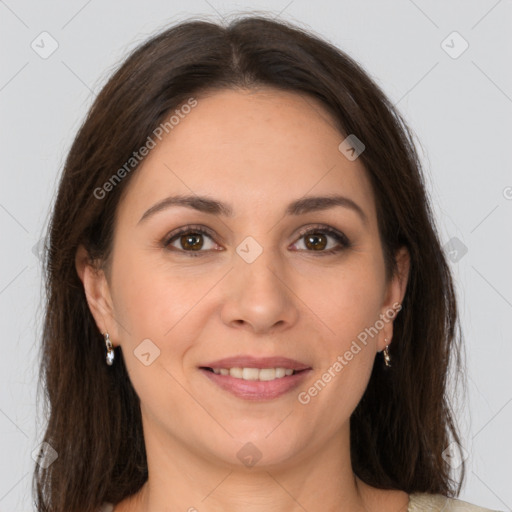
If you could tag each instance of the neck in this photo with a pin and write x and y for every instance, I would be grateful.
(320, 477)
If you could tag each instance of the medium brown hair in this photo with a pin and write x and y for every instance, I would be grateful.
(404, 420)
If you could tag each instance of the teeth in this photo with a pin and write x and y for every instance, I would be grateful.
(250, 373)
(262, 374)
(237, 372)
(270, 374)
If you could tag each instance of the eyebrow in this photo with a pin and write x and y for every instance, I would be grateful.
(214, 207)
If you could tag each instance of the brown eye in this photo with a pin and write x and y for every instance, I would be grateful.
(316, 241)
(191, 241)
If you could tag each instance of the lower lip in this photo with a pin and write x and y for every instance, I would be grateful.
(256, 389)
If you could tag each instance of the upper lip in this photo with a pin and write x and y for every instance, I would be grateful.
(257, 362)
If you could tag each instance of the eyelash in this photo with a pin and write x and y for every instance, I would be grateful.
(337, 235)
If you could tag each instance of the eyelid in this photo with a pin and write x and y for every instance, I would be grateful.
(327, 229)
(342, 239)
(186, 229)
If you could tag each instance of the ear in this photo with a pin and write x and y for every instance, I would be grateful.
(394, 296)
(97, 293)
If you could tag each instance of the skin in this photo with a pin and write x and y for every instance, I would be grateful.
(241, 147)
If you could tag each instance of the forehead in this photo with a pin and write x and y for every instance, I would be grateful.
(250, 148)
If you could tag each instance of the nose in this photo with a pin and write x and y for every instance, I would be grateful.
(259, 296)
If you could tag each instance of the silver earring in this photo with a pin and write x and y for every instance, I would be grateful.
(110, 350)
(387, 358)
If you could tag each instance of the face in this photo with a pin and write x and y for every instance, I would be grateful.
(267, 282)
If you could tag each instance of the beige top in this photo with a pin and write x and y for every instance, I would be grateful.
(418, 502)
(422, 502)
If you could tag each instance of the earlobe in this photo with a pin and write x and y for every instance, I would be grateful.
(97, 291)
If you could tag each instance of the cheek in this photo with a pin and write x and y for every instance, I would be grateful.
(149, 297)
(350, 307)
(153, 310)
(355, 320)
(159, 304)
(350, 300)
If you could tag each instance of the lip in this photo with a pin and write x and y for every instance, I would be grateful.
(257, 362)
(257, 390)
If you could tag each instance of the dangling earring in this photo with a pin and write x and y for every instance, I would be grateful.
(385, 352)
(110, 351)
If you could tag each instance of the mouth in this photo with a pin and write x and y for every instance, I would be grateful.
(253, 374)
(256, 378)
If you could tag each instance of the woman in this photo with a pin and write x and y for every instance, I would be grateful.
(248, 305)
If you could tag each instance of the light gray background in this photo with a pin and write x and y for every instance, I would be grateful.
(460, 109)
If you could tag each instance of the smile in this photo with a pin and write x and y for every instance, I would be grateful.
(256, 383)
(262, 374)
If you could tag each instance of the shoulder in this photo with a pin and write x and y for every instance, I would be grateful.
(423, 502)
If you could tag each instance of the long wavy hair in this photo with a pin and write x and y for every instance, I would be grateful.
(404, 421)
